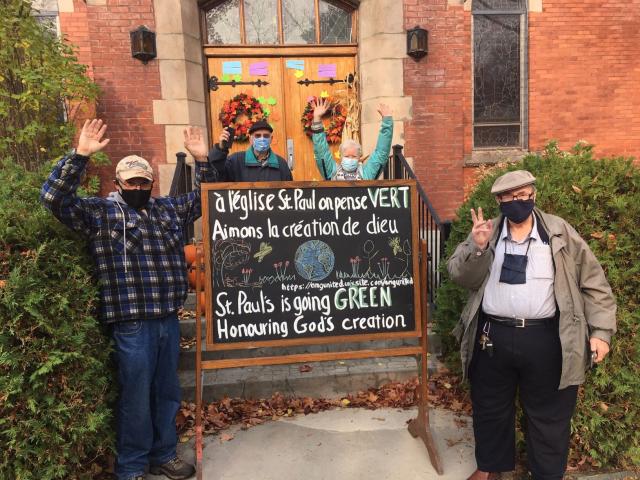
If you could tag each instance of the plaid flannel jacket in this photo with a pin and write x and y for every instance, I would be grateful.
(153, 281)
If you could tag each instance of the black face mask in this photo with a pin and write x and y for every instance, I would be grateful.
(517, 210)
(136, 198)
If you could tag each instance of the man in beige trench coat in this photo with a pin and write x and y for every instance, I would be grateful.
(540, 310)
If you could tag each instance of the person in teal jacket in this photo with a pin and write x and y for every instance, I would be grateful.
(350, 166)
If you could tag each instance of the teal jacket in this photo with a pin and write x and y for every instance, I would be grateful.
(371, 168)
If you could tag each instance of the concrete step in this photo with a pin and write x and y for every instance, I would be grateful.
(325, 380)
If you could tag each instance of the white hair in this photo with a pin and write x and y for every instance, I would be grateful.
(350, 143)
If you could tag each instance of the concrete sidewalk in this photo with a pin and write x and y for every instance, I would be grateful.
(339, 444)
(346, 444)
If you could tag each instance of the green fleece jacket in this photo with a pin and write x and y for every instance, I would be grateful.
(372, 167)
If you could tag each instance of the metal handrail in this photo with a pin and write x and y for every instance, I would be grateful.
(432, 230)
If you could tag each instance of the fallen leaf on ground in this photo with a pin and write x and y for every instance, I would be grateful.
(445, 391)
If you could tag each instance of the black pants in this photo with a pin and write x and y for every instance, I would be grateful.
(528, 360)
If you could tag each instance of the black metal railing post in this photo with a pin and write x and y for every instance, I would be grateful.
(445, 233)
(181, 184)
(397, 164)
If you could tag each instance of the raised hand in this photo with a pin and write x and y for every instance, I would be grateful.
(385, 110)
(481, 231)
(224, 137)
(320, 107)
(90, 140)
(195, 144)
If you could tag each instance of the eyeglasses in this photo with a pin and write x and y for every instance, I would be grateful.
(519, 196)
(137, 183)
(262, 135)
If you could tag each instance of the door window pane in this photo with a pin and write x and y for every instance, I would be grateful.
(261, 21)
(496, 68)
(223, 23)
(298, 18)
(335, 23)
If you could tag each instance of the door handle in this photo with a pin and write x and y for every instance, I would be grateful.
(290, 153)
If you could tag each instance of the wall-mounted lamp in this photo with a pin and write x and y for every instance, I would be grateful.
(417, 43)
(143, 44)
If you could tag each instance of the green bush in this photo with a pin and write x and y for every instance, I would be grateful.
(56, 382)
(42, 88)
(601, 199)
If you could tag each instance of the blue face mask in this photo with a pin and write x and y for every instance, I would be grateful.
(261, 144)
(349, 164)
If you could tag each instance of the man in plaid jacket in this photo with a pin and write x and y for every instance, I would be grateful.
(136, 242)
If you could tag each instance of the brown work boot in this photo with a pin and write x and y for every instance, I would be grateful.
(480, 475)
(175, 469)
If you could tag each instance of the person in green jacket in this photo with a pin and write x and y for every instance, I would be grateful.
(351, 166)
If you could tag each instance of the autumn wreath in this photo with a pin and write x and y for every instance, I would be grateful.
(338, 114)
(241, 112)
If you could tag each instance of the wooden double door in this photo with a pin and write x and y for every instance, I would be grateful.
(285, 95)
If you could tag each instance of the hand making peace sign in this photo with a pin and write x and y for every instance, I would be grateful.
(481, 231)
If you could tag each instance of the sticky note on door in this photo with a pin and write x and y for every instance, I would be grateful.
(327, 70)
(259, 68)
(295, 64)
(231, 68)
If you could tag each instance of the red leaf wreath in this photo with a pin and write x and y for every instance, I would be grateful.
(239, 106)
(337, 113)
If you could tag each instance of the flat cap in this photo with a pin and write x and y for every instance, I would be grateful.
(260, 125)
(512, 180)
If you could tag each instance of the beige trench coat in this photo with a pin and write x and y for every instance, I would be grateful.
(585, 301)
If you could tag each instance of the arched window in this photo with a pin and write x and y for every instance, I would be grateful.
(280, 22)
(499, 37)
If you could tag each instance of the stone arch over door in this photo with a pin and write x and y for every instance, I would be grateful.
(381, 52)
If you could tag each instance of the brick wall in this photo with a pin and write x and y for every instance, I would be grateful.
(439, 133)
(128, 87)
(585, 75)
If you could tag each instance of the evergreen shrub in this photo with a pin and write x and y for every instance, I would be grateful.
(56, 381)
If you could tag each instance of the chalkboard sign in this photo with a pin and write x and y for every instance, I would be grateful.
(306, 262)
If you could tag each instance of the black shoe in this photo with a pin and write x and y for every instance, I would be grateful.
(175, 469)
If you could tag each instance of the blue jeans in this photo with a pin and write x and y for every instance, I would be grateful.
(147, 358)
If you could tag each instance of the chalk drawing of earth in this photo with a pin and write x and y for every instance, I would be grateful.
(314, 260)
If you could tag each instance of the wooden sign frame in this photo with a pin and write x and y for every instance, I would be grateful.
(418, 427)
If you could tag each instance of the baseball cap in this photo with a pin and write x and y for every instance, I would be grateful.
(134, 166)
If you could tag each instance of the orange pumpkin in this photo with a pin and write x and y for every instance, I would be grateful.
(190, 253)
(191, 274)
